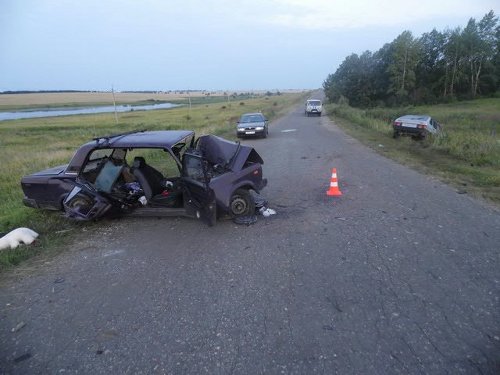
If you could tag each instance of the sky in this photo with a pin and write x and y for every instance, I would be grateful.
(204, 44)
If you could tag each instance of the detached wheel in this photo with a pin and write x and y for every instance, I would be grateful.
(241, 203)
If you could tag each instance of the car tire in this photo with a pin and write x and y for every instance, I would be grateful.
(77, 203)
(241, 203)
(264, 133)
(395, 135)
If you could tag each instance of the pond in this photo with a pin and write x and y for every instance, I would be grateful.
(67, 111)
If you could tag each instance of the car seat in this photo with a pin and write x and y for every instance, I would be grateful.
(150, 179)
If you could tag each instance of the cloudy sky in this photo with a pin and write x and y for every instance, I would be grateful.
(203, 44)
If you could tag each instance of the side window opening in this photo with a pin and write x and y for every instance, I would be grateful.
(96, 160)
(192, 165)
(157, 158)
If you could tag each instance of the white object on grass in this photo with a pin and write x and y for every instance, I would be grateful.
(17, 236)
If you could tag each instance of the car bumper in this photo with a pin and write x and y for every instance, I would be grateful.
(242, 132)
(409, 131)
(30, 203)
(313, 112)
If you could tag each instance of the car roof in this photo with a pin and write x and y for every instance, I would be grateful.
(156, 139)
(414, 118)
(252, 114)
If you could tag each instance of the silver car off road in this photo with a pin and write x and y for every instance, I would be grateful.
(416, 126)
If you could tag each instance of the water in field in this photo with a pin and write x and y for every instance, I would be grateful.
(34, 113)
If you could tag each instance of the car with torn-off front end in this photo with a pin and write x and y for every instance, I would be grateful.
(151, 173)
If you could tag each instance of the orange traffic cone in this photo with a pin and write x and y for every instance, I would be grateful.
(334, 185)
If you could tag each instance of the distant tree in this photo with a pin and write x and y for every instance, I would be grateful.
(456, 63)
(352, 80)
(496, 58)
(405, 52)
(479, 41)
(453, 52)
(431, 67)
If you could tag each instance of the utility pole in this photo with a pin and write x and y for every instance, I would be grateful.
(114, 103)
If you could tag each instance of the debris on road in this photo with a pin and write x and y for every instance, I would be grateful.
(245, 220)
(22, 357)
(18, 327)
(266, 212)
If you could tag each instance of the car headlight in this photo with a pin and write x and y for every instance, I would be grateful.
(259, 128)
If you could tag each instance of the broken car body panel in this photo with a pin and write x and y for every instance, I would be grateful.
(102, 177)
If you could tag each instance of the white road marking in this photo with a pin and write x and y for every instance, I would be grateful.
(288, 130)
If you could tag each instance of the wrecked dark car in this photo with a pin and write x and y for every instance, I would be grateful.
(151, 173)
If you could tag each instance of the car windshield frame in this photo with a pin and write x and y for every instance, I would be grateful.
(246, 119)
(314, 102)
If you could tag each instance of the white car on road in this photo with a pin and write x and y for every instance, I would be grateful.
(313, 107)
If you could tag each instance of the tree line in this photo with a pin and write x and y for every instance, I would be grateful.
(460, 63)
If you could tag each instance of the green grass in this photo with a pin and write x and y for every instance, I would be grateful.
(31, 145)
(466, 154)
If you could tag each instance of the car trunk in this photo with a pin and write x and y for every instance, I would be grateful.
(51, 171)
(41, 188)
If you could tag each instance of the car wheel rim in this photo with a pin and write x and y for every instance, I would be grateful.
(78, 203)
(238, 205)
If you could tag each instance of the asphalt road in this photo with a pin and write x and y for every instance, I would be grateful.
(399, 275)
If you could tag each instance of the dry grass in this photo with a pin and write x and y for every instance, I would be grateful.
(68, 98)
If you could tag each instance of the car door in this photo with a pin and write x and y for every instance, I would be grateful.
(85, 203)
(199, 198)
(88, 201)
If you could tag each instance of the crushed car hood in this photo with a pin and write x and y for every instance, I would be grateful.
(231, 155)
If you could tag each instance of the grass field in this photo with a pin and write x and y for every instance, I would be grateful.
(31, 145)
(466, 154)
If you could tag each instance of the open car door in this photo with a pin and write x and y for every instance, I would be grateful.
(199, 198)
(87, 202)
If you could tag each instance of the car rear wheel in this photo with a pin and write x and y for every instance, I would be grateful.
(241, 203)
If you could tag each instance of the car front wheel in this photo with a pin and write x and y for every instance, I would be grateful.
(80, 204)
(242, 203)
